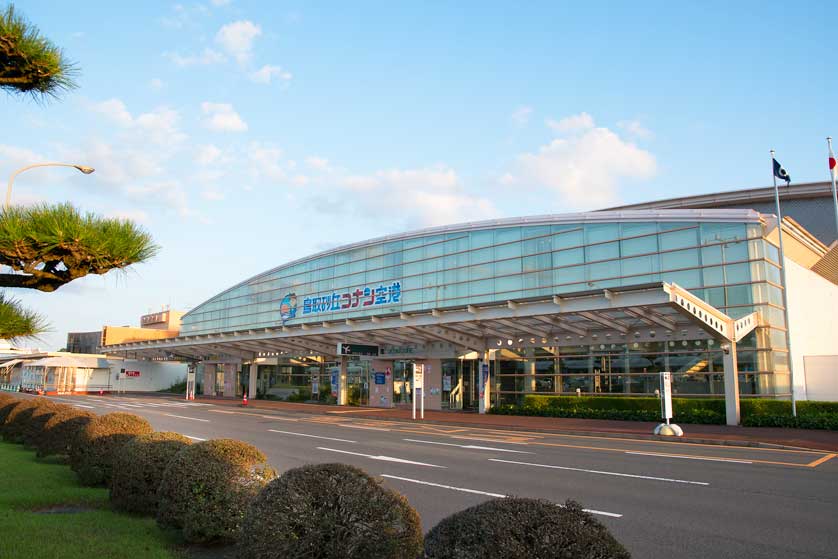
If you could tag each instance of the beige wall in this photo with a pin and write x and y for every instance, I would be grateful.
(821, 377)
(813, 327)
(112, 335)
(381, 395)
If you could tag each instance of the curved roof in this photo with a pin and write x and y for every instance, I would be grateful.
(695, 215)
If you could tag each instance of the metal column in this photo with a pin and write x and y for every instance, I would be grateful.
(731, 372)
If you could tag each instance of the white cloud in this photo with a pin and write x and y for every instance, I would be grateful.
(222, 117)
(635, 129)
(571, 124)
(237, 38)
(114, 110)
(212, 195)
(207, 154)
(268, 72)
(521, 116)
(317, 162)
(417, 197)
(206, 57)
(156, 84)
(586, 169)
(266, 162)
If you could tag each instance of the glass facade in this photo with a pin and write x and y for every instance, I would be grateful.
(731, 265)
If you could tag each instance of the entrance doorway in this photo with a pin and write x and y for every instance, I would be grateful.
(402, 382)
(460, 384)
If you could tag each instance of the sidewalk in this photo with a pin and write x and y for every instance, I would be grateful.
(704, 434)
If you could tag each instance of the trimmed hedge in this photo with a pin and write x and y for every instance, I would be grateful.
(329, 511)
(754, 412)
(522, 528)
(208, 486)
(61, 431)
(34, 428)
(19, 417)
(94, 450)
(138, 470)
(6, 408)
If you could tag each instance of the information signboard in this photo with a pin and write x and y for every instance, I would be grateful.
(315, 385)
(666, 395)
(380, 378)
(419, 389)
(358, 349)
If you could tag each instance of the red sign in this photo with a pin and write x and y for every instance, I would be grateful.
(132, 373)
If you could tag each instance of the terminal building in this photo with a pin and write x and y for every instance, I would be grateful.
(491, 311)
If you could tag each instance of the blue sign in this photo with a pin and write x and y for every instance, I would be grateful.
(379, 378)
(367, 296)
(288, 307)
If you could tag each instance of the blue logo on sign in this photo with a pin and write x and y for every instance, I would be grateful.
(288, 307)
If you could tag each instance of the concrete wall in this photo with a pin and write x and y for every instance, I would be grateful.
(813, 326)
(381, 395)
(821, 377)
(154, 375)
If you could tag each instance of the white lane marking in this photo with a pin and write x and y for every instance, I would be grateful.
(184, 417)
(194, 438)
(382, 458)
(600, 472)
(687, 457)
(361, 427)
(84, 406)
(311, 436)
(487, 493)
(460, 437)
(469, 446)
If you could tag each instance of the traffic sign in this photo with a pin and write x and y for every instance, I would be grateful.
(358, 349)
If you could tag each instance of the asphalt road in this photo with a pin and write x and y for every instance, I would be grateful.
(661, 499)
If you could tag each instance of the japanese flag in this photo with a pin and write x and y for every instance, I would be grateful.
(833, 168)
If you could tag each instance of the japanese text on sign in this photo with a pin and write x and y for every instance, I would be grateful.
(367, 296)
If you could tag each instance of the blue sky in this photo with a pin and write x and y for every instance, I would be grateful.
(243, 134)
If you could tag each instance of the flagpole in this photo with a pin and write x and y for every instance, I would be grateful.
(834, 195)
(785, 284)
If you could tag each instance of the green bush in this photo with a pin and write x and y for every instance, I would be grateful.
(522, 528)
(34, 428)
(20, 416)
(329, 511)
(207, 487)
(94, 450)
(138, 470)
(827, 421)
(61, 431)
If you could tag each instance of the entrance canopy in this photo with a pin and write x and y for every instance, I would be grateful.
(655, 311)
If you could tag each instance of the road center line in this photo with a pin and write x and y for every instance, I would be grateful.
(311, 436)
(184, 417)
(687, 457)
(85, 406)
(600, 472)
(382, 458)
(194, 438)
(488, 494)
(485, 440)
(468, 446)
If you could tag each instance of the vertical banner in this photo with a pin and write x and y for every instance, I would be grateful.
(419, 389)
(484, 386)
(666, 395)
(335, 382)
(315, 386)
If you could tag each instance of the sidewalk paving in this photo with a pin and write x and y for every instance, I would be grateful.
(705, 434)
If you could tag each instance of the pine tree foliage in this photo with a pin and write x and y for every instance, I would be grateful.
(16, 321)
(30, 63)
(47, 246)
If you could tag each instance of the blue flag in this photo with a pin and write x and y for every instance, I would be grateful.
(781, 173)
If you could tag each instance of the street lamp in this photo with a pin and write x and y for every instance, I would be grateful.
(82, 168)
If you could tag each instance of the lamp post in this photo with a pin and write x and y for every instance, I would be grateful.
(82, 168)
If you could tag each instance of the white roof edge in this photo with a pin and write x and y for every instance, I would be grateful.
(733, 215)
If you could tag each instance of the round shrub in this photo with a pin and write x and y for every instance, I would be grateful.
(61, 431)
(34, 428)
(94, 450)
(6, 408)
(207, 487)
(330, 511)
(138, 470)
(19, 417)
(522, 528)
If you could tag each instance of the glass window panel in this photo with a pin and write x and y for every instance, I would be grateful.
(505, 267)
(433, 265)
(414, 254)
(716, 232)
(639, 245)
(740, 295)
(507, 235)
(569, 275)
(715, 296)
(481, 256)
(599, 232)
(688, 279)
(568, 257)
(777, 338)
(453, 276)
(482, 287)
(413, 268)
(772, 273)
(604, 270)
(536, 263)
(535, 231)
(713, 275)
(639, 265)
(568, 236)
(679, 259)
(537, 246)
(771, 252)
(481, 239)
(455, 260)
(641, 228)
(678, 239)
(507, 251)
(480, 271)
(456, 242)
(738, 273)
(602, 252)
(508, 285)
(434, 250)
